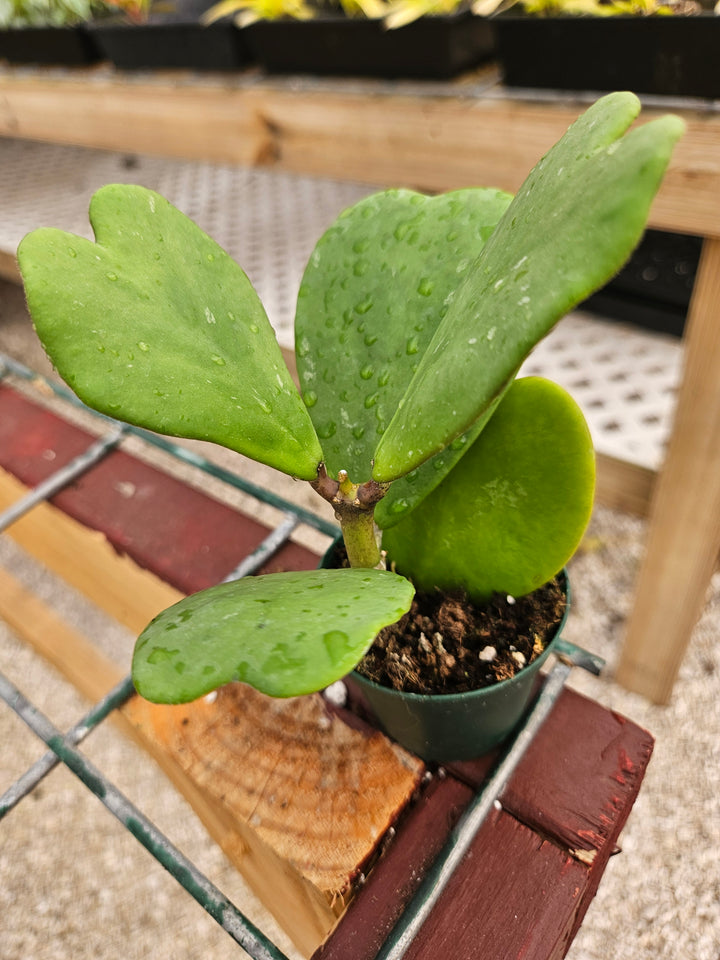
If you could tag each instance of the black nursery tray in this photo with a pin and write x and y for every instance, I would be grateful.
(665, 55)
(653, 289)
(431, 47)
(48, 46)
(165, 43)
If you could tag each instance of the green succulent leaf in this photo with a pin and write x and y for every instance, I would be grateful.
(404, 494)
(513, 510)
(571, 226)
(375, 290)
(155, 324)
(285, 634)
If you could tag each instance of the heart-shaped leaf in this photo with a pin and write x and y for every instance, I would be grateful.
(571, 226)
(513, 510)
(285, 634)
(374, 291)
(155, 324)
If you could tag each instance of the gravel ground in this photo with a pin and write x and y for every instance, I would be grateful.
(75, 885)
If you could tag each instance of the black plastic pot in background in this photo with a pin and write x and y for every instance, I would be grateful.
(666, 55)
(431, 47)
(172, 42)
(654, 288)
(48, 46)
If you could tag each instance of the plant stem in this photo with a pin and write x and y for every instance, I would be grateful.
(354, 506)
(361, 538)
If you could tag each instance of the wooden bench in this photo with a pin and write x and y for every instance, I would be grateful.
(351, 825)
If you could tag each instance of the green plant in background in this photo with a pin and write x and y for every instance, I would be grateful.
(66, 13)
(592, 8)
(413, 318)
(136, 11)
(45, 13)
(249, 11)
(402, 12)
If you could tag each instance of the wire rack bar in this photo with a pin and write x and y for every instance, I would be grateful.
(63, 748)
(431, 889)
(119, 695)
(242, 930)
(8, 366)
(269, 546)
(62, 477)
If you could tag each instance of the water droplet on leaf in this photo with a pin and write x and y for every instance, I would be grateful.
(161, 655)
(327, 430)
(364, 306)
(336, 643)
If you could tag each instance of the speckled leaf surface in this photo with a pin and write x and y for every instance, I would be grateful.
(375, 290)
(513, 510)
(155, 324)
(285, 634)
(571, 226)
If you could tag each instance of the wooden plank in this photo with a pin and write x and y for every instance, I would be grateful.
(624, 486)
(420, 837)
(576, 789)
(184, 536)
(65, 648)
(8, 266)
(296, 798)
(94, 108)
(514, 895)
(387, 134)
(572, 793)
(87, 561)
(684, 532)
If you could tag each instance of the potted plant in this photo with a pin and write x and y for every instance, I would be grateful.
(438, 39)
(414, 316)
(665, 47)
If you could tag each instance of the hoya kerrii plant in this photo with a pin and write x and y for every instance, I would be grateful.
(413, 317)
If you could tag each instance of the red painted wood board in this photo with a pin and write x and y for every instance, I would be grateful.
(520, 892)
(419, 838)
(515, 895)
(184, 536)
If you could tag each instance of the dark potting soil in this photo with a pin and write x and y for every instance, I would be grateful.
(445, 644)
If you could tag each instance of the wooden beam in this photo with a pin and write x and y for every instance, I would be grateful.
(684, 533)
(290, 806)
(278, 784)
(87, 561)
(386, 134)
(232, 816)
(624, 486)
(8, 267)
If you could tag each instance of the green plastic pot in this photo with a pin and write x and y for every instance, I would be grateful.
(455, 726)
